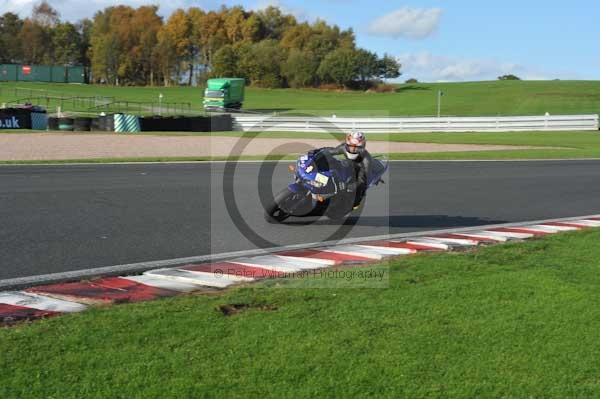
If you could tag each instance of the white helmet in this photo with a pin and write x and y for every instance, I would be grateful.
(355, 143)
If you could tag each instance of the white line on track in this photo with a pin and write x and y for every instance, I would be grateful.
(291, 160)
(132, 268)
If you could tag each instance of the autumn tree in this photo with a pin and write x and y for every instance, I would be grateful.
(234, 24)
(146, 24)
(126, 45)
(164, 55)
(106, 48)
(209, 34)
(34, 39)
(44, 15)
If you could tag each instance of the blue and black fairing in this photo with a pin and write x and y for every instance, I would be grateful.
(322, 174)
(319, 174)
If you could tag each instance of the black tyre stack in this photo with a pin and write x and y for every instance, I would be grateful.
(96, 125)
(66, 124)
(52, 123)
(82, 124)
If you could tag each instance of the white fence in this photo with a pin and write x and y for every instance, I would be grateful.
(258, 123)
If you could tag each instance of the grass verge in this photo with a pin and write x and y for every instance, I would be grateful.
(516, 320)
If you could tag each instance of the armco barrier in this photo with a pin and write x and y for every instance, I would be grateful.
(222, 123)
(186, 124)
(258, 123)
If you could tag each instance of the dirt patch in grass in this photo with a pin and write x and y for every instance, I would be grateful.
(231, 309)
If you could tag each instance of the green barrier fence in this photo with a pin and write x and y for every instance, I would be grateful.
(42, 73)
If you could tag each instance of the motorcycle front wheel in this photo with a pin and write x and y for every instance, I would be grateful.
(273, 210)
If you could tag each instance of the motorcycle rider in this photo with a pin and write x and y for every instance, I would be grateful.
(355, 149)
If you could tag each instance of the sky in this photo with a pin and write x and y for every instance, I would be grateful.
(443, 40)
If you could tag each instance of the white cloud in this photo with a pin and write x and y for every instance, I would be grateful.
(428, 67)
(412, 23)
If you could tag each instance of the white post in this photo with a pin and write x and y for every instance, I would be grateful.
(160, 97)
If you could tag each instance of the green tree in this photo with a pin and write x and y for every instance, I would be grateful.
(105, 48)
(261, 64)
(339, 67)
(66, 41)
(225, 62)
(367, 66)
(84, 27)
(509, 77)
(300, 68)
(389, 68)
(252, 30)
(274, 22)
(10, 43)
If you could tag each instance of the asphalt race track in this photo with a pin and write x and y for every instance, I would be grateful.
(62, 218)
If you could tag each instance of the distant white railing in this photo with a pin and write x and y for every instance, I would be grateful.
(256, 123)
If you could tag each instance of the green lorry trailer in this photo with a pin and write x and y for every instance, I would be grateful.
(224, 94)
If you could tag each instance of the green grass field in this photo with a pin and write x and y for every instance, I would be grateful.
(516, 320)
(460, 99)
(478, 98)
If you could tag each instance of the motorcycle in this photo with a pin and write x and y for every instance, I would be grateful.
(323, 186)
